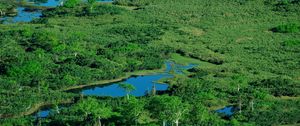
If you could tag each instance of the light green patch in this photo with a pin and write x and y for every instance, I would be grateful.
(177, 58)
(192, 30)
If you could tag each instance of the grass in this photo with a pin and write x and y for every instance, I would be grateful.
(225, 39)
(177, 58)
(127, 75)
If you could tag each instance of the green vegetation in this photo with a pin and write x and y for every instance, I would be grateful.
(7, 8)
(240, 62)
(289, 28)
(128, 88)
(71, 3)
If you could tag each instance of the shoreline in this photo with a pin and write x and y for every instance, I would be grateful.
(103, 82)
(40, 105)
(34, 109)
(126, 76)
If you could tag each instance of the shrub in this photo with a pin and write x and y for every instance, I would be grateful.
(291, 43)
(278, 86)
(71, 3)
(106, 9)
(130, 2)
(141, 34)
(287, 28)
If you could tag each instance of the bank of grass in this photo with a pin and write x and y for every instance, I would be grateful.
(185, 60)
(126, 76)
(37, 106)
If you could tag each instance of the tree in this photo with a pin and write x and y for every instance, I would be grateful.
(127, 87)
(71, 3)
(91, 107)
(91, 3)
(29, 73)
(133, 109)
(168, 108)
(199, 114)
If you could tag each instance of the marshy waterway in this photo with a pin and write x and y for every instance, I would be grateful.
(28, 10)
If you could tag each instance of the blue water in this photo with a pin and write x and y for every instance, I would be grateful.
(43, 114)
(55, 3)
(227, 111)
(22, 16)
(49, 3)
(143, 84)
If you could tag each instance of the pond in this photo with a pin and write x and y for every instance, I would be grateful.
(143, 85)
(43, 113)
(227, 111)
(28, 16)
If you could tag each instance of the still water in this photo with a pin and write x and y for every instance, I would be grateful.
(28, 16)
(143, 85)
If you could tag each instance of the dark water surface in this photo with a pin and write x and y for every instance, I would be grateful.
(227, 111)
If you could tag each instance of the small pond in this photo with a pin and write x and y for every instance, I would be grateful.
(227, 111)
(143, 84)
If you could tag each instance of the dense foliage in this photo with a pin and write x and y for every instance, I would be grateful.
(247, 53)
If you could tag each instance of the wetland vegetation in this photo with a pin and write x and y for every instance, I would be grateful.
(246, 56)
